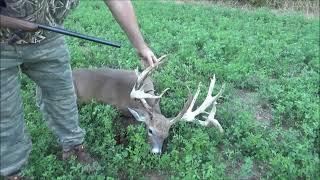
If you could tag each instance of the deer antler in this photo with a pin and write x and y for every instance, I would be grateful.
(137, 91)
(190, 116)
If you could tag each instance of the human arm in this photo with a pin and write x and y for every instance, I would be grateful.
(124, 14)
(14, 23)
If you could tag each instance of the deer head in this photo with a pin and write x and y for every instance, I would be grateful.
(158, 125)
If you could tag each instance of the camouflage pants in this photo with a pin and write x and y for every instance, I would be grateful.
(46, 63)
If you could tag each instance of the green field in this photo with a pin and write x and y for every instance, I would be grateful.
(269, 110)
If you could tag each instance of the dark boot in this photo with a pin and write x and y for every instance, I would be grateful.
(80, 153)
(14, 176)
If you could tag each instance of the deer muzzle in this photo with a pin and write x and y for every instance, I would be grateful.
(156, 145)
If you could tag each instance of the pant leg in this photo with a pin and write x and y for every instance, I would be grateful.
(49, 67)
(15, 143)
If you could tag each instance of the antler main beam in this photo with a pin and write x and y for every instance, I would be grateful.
(144, 74)
(138, 92)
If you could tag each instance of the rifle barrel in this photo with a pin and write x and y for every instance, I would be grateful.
(78, 35)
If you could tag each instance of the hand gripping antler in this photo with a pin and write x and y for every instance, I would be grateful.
(138, 92)
(190, 116)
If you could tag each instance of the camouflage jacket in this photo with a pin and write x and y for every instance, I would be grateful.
(47, 12)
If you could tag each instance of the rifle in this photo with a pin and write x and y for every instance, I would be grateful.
(15, 23)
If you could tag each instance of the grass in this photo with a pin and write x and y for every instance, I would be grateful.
(269, 110)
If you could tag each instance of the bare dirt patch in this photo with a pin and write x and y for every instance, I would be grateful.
(157, 175)
(261, 110)
(150, 175)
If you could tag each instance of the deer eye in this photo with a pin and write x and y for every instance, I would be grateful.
(150, 131)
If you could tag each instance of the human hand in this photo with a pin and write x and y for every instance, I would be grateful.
(147, 57)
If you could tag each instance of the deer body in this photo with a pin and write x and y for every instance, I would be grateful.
(109, 86)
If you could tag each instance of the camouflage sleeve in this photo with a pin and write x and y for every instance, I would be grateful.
(47, 12)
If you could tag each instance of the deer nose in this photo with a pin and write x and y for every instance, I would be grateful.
(156, 151)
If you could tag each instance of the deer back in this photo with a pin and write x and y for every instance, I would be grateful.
(110, 86)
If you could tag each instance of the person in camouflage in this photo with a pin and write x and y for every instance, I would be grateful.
(43, 56)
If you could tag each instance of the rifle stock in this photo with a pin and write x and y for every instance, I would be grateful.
(14, 23)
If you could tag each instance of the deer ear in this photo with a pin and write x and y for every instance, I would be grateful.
(139, 115)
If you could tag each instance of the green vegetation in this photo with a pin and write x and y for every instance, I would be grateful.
(269, 110)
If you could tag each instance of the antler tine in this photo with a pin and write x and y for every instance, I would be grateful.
(190, 116)
(209, 99)
(185, 107)
(160, 96)
(161, 59)
(144, 74)
(163, 92)
(146, 105)
(212, 83)
(189, 110)
(210, 120)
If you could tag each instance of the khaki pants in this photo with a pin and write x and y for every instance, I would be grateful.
(46, 63)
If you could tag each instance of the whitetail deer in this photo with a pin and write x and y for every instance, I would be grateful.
(133, 94)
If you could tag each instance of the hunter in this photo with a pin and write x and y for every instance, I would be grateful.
(44, 57)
